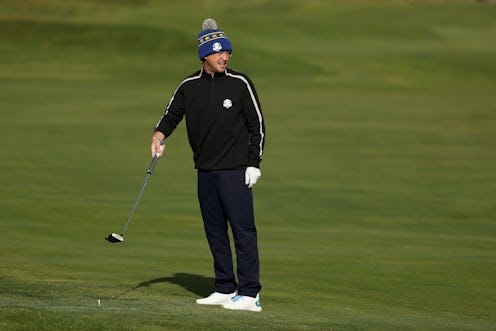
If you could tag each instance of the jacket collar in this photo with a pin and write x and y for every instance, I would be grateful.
(217, 74)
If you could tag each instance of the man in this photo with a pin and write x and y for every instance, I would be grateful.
(226, 132)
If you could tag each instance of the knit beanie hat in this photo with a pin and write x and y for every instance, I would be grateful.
(212, 40)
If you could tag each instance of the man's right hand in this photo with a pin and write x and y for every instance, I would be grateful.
(157, 145)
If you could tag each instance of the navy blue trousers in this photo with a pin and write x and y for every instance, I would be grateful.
(225, 201)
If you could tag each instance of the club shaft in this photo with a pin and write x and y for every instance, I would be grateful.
(135, 204)
(148, 174)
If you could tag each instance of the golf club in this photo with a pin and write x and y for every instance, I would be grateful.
(116, 238)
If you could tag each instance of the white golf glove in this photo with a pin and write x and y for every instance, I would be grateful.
(252, 174)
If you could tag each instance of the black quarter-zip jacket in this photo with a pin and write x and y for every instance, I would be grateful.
(224, 119)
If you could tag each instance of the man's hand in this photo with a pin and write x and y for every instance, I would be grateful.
(252, 174)
(157, 146)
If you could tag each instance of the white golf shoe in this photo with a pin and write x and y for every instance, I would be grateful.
(216, 298)
(243, 302)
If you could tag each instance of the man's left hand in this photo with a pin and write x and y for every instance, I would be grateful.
(252, 174)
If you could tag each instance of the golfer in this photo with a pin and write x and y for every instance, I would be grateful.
(226, 132)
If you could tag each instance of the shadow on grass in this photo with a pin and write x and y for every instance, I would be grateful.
(197, 284)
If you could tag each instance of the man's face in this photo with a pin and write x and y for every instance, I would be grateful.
(216, 62)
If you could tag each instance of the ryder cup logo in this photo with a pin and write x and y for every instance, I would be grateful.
(227, 104)
(216, 47)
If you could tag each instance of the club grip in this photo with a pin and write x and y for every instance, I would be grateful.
(152, 165)
(154, 160)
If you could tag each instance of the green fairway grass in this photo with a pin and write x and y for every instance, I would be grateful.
(376, 208)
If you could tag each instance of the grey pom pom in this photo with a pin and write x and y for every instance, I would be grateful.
(209, 24)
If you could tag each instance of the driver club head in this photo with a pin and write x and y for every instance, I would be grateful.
(114, 238)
